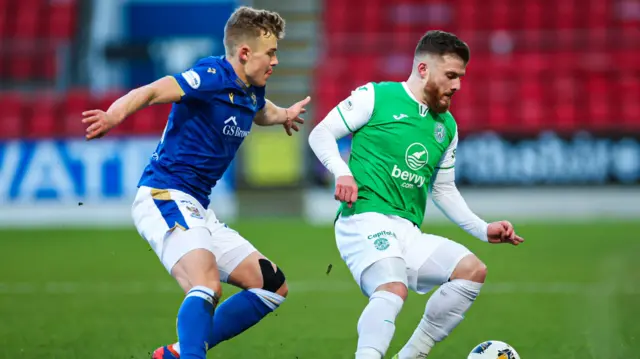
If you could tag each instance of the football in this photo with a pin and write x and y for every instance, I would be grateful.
(493, 349)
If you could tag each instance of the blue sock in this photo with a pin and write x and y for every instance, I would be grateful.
(240, 312)
(195, 324)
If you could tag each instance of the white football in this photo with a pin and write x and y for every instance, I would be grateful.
(493, 349)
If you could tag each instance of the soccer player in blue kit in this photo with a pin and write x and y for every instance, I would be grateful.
(215, 104)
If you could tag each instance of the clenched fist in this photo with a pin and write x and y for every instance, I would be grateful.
(346, 190)
(503, 232)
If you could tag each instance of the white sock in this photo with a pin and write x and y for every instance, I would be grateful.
(444, 311)
(377, 325)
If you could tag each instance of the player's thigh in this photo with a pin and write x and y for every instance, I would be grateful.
(388, 274)
(233, 253)
(366, 238)
(431, 260)
(173, 223)
(197, 266)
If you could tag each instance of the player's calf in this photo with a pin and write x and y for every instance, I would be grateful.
(384, 282)
(197, 273)
(265, 289)
(446, 307)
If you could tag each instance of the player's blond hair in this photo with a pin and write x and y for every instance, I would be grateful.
(247, 23)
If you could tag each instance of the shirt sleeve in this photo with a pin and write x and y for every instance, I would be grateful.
(199, 82)
(448, 160)
(349, 116)
(447, 197)
(356, 110)
(322, 141)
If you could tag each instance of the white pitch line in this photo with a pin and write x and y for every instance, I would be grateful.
(337, 286)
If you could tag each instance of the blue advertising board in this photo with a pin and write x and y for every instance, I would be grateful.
(58, 173)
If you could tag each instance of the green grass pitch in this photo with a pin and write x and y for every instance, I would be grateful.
(570, 291)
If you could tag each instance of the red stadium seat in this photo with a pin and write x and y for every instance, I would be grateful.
(11, 116)
(47, 62)
(62, 19)
(143, 122)
(4, 19)
(162, 116)
(20, 64)
(556, 49)
(27, 20)
(29, 34)
(43, 121)
(597, 103)
(629, 114)
(76, 102)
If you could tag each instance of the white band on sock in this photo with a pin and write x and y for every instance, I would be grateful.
(204, 293)
(392, 297)
(468, 287)
(270, 299)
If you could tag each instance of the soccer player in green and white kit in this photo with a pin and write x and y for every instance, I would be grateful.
(404, 145)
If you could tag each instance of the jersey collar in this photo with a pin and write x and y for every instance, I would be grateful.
(422, 108)
(232, 74)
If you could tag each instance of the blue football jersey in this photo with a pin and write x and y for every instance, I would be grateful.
(204, 130)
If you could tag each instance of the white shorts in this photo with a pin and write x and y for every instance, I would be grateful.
(156, 213)
(366, 238)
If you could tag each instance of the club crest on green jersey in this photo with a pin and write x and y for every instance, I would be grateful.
(439, 132)
(416, 156)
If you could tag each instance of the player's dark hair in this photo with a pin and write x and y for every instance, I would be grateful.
(247, 22)
(437, 42)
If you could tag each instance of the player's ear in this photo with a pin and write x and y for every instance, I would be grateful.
(243, 53)
(423, 69)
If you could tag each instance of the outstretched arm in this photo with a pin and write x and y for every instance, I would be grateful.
(271, 114)
(447, 198)
(164, 90)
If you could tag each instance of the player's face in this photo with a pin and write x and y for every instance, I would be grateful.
(442, 80)
(261, 60)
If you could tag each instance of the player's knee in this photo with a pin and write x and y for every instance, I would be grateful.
(215, 286)
(273, 279)
(211, 282)
(470, 268)
(397, 288)
(387, 274)
(283, 290)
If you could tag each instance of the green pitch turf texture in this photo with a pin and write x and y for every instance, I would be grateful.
(570, 291)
